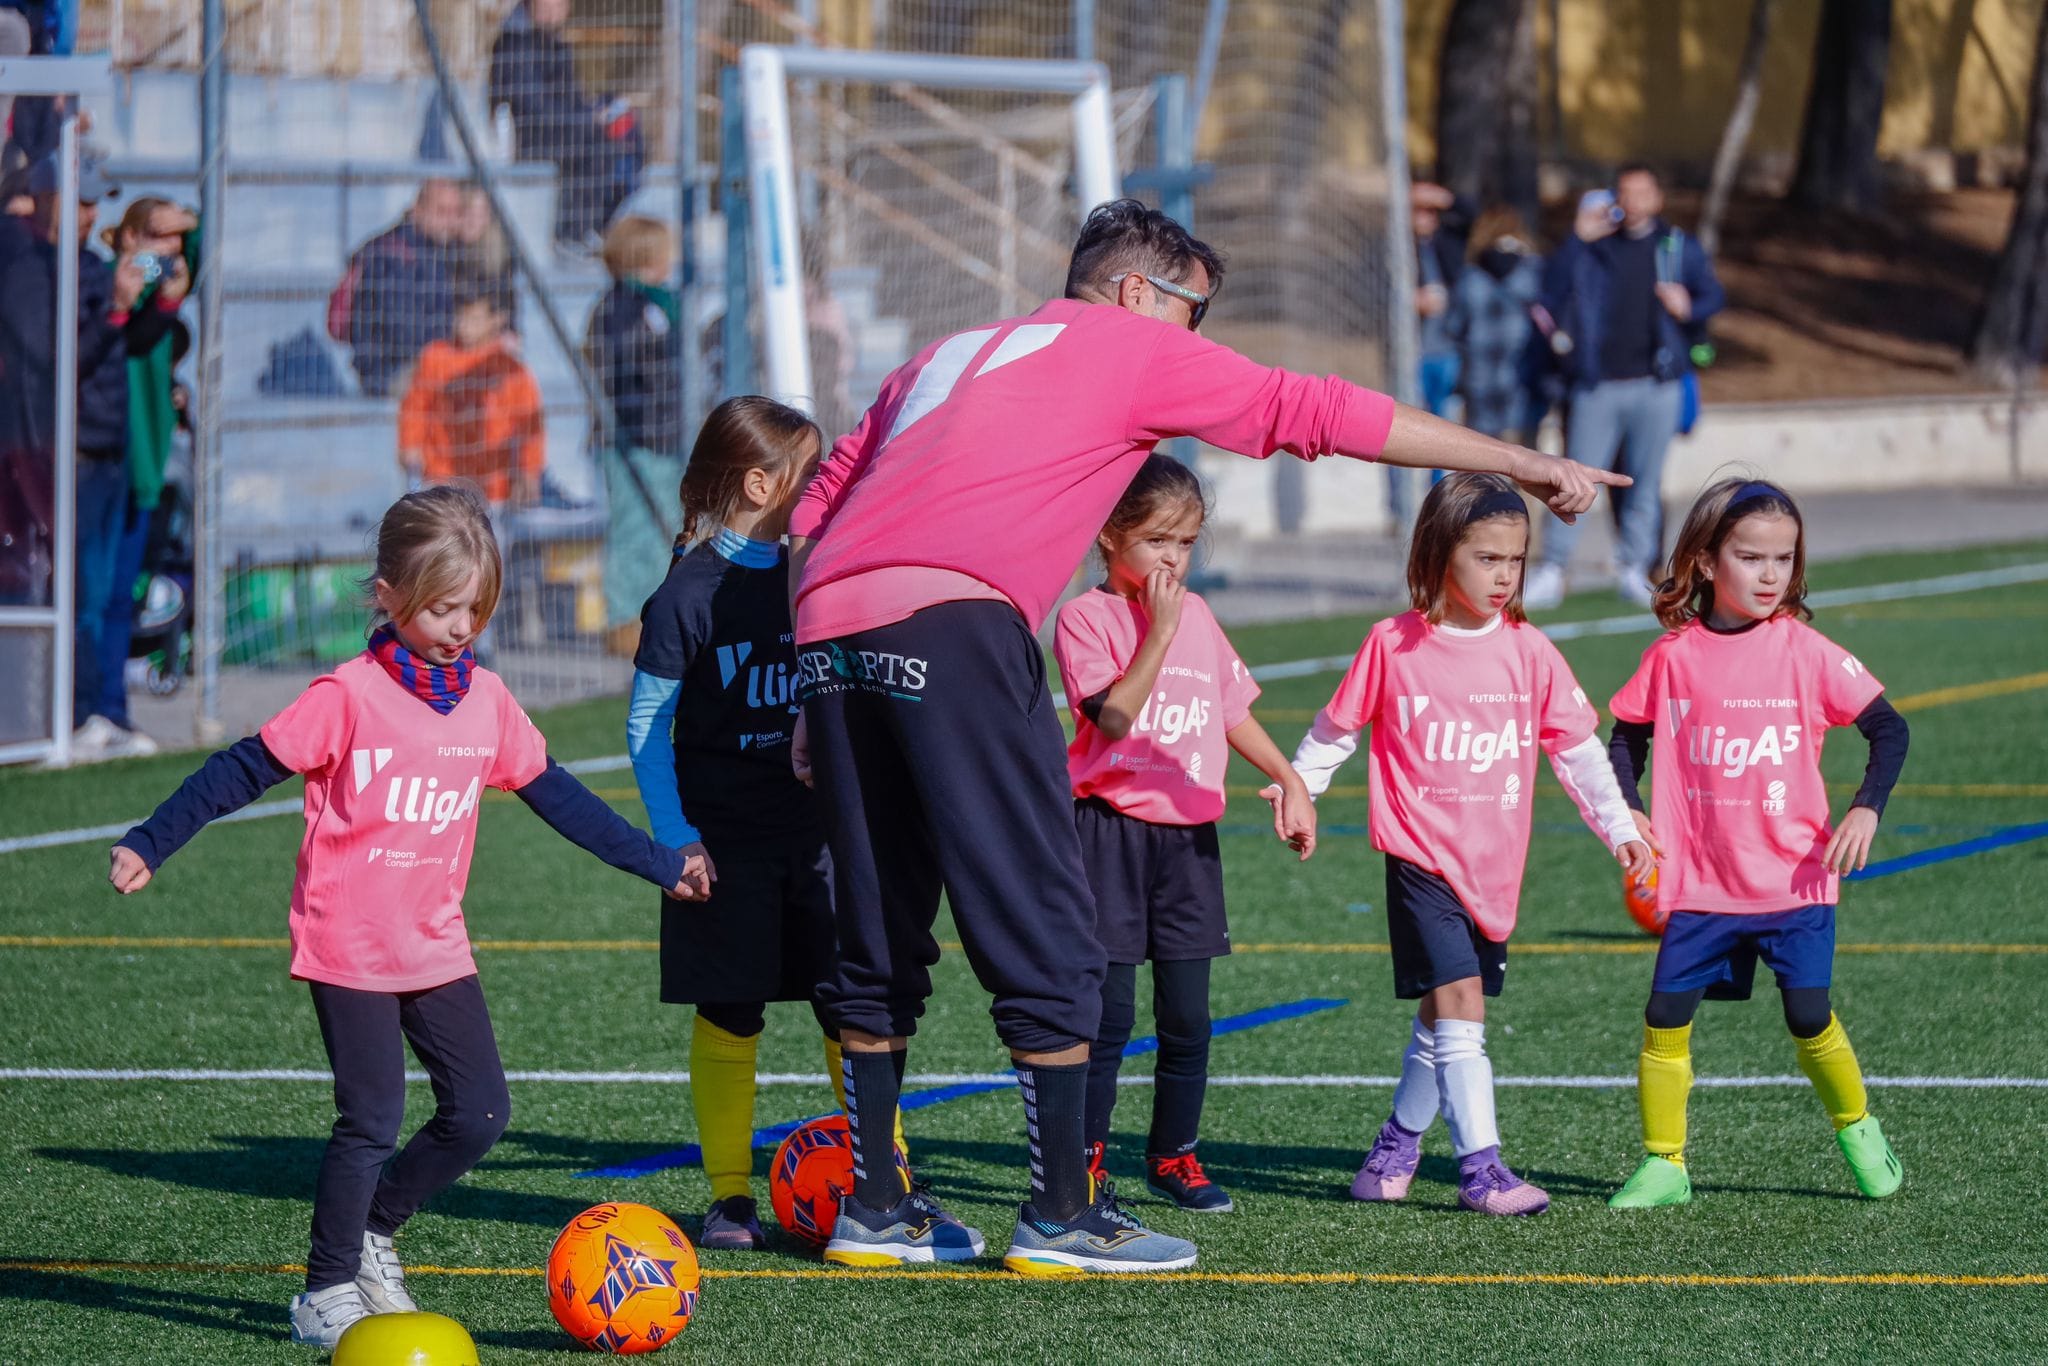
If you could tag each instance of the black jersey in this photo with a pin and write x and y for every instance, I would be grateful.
(723, 631)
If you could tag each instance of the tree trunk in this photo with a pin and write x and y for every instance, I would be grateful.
(1485, 129)
(2009, 331)
(1749, 86)
(1838, 147)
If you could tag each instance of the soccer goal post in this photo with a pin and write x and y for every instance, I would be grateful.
(895, 197)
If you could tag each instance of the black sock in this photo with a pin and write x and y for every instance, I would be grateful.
(1055, 1101)
(872, 1083)
(1180, 1003)
(1106, 1055)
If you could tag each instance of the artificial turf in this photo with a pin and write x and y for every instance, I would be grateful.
(140, 1220)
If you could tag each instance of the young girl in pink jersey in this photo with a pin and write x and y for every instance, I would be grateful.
(397, 746)
(1731, 708)
(1461, 692)
(1159, 700)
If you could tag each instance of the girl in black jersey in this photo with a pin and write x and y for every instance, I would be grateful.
(713, 709)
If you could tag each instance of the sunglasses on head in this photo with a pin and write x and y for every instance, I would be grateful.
(1198, 304)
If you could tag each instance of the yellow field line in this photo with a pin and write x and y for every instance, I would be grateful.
(109, 941)
(1971, 692)
(1588, 1279)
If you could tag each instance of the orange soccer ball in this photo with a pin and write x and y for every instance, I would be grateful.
(1642, 904)
(622, 1279)
(811, 1174)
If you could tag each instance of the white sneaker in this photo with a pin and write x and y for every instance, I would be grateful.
(381, 1279)
(90, 741)
(1634, 586)
(320, 1317)
(129, 744)
(1544, 588)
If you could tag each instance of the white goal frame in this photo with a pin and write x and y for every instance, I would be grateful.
(765, 73)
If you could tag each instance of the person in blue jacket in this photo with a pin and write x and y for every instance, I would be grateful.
(1630, 293)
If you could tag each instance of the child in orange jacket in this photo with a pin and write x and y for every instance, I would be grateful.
(472, 412)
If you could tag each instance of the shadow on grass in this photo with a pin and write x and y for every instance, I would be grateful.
(104, 1295)
(274, 1168)
(530, 1340)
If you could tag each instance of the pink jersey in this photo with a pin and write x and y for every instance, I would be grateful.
(997, 453)
(1736, 791)
(1169, 769)
(1457, 719)
(392, 788)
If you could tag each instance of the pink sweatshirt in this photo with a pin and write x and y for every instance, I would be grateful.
(996, 454)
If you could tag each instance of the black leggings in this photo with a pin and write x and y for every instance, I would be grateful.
(745, 1019)
(366, 1033)
(1807, 1009)
(1180, 1004)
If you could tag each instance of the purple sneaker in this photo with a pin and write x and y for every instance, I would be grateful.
(1487, 1186)
(1389, 1166)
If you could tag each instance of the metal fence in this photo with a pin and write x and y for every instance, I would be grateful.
(449, 248)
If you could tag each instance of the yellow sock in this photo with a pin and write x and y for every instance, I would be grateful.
(835, 1069)
(1663, 1081)
(1830, 1064)
(722, 1090)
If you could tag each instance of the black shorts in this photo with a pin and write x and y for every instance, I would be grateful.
(1433, 937)
(1158, 888)
(766, 934)
(940, 763)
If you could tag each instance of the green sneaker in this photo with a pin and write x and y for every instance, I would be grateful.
(1871, 1160)
(1659, 1181)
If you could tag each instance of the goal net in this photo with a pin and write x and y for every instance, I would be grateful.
(895, 198)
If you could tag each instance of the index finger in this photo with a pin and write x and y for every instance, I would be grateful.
(1612, 478)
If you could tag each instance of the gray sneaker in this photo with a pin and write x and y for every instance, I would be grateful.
(917, 1229)
(1101, 1238)
(320, 1317)
(382, 1279)
(733, 1225)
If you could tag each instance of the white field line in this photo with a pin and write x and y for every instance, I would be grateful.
(1539, 1083)
(1267, 673)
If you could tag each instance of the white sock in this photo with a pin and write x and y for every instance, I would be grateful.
(1415, 1096)
(1464, 1077)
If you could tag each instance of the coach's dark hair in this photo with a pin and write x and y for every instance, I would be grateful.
(1123, 235)
(1687, 591)
(748, 432)
(1456, 504)
(1162, 482)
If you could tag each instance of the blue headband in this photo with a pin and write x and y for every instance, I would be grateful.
(1754, 489)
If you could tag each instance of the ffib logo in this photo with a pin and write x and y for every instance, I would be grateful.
(368, 763)
(1774, 798)
(1511, 792)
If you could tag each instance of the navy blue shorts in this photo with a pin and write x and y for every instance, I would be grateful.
(1719, 952)
(1433, 937)
(941, 765)
(1158, 888)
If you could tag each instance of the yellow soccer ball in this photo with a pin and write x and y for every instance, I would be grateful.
(415, 1339)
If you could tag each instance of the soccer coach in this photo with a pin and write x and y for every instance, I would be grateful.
(924, 554)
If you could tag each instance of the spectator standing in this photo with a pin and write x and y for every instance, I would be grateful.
(632, 348)
(1442, 223)
(399, 293)
(594, 144)
(1488, 321)
(28, 328)
(158, 238)
(1628, 288)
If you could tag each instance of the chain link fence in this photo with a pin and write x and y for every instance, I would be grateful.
(470, 274)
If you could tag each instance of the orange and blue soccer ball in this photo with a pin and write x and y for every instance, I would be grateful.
(1642, 904)
(811, 1174)
(622, 1279)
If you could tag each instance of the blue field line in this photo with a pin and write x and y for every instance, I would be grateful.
(690, 1154)
(1942, 853)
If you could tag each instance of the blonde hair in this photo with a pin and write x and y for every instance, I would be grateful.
(1687, 591)
(1454, 506)
(636, 245)
(429, 543)
(135, 219)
